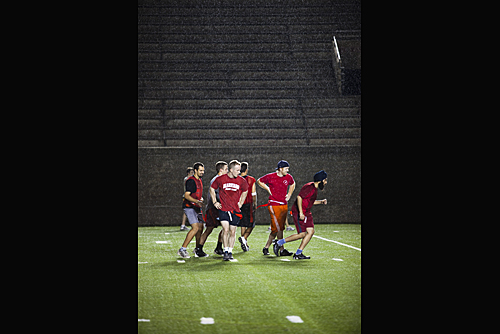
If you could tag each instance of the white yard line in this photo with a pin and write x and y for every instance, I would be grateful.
(315, 236)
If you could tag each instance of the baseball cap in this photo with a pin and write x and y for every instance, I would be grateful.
(320, 176)
(283, 163)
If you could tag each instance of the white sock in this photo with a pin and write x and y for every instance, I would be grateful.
(244, 240)
(226, 249)
(230, 249)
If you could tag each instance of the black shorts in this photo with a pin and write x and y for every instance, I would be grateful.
(232, 217)
(247, 212)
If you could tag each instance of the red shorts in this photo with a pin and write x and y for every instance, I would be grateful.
(302, 225)
(211, 217)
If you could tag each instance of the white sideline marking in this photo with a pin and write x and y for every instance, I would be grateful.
(142, 262)
(207, 321)
(233, 260)
(285, 260)
(143, 320)
(337, 259)
(181, 261)
(162, 242)
(167, 233)
(315, 236)
(294, 318)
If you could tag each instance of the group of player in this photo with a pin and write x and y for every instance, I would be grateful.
(232, 201)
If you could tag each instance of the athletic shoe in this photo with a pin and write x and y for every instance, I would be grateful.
(199, 253)
(289, 228)
(276, 247)
(243, 244)
(265, 251)
(184, 254)
(184, 228)
(300, 257)
(284, 252)
(226, 256)
(218, 251)
(231, 256)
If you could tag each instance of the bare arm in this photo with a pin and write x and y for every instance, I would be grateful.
(254, 197)
(299, 204)
(187, 195)
(213, 196)
(290, 191)
(320, 201)
(264, 186)
(242, 198)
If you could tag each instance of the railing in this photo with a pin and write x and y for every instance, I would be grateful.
(337, 64)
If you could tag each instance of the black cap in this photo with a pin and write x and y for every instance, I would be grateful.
(320, 176)
(282, 164)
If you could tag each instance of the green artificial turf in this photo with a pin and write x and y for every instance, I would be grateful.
(255, 294)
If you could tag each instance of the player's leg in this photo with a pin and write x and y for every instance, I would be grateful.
(210, 225)
(250, 227)
(200, 230)
(195, 229)
(308, 226)
(225, 233)
(244, 223)
(247, 233)
(218, 249)
(281, 212)
(232, 236)
(205, 235)
(275, 226)
(307, 238)
(225, 238)
(183, 224)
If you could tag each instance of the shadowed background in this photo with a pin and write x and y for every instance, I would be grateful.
(251, 80)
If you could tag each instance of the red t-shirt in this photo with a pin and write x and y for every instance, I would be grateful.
(278, 186)
(250, 180)
(308, 193)
(230, 190)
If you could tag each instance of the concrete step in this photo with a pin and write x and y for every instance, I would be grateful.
(271, 67)
(234, 76)
(314, 91)
(320, 126)
(330, 142)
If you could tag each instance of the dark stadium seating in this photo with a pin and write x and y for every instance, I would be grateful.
(245, 73)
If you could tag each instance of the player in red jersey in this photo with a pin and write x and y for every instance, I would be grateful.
(212, 213)
(276, 184)
(248, 208)
(301, 213)
(232, 192)
(193, 200)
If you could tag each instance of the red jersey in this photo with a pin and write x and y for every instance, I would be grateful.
(278, 186)
(196, 191)
(250, 180)
(308, 193)
(230, 190)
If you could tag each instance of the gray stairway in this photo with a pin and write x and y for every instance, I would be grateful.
(249, 73)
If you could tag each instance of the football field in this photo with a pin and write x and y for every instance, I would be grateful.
(256, 293)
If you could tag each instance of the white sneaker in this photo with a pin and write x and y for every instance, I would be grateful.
(243, 243)
(183, 253)
(289, 228)
(184, 228)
